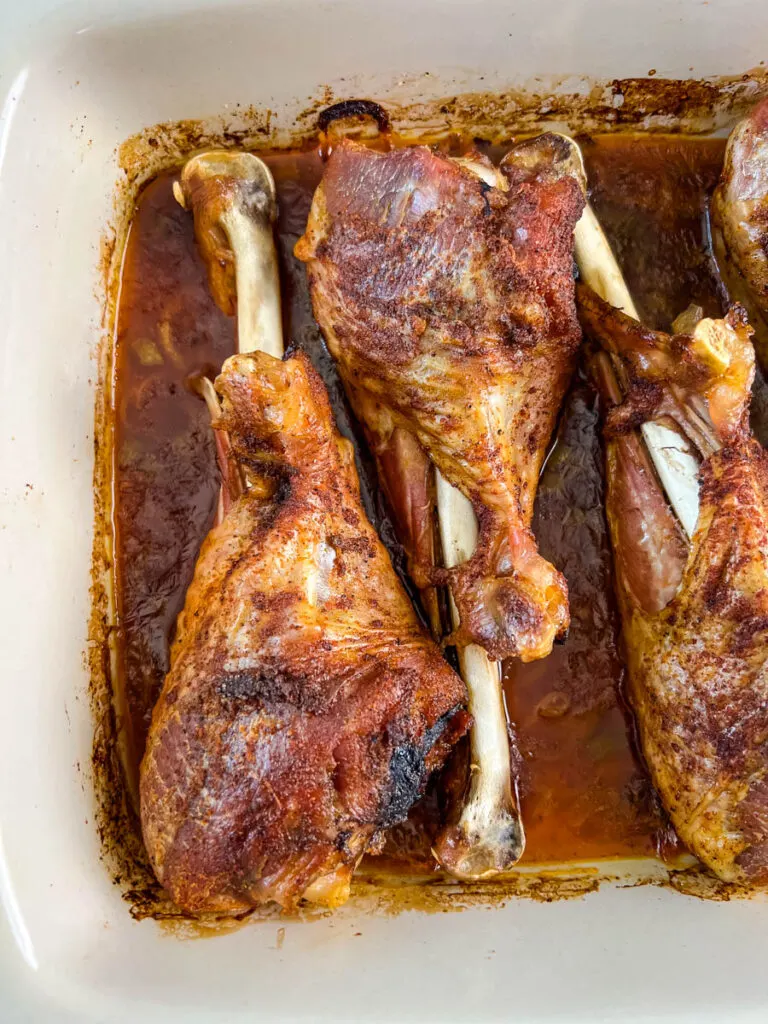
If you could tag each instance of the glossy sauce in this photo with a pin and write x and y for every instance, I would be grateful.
(583, 791)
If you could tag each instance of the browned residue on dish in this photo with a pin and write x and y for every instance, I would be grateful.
(390, 895)
(648, 104)
(622, 105)
(375, 894)
(122, 849)
(387, 894)
(161, 146)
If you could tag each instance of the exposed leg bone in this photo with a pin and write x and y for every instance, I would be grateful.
(649, 548)
(232, 198)
(486, 835)
(673, 458)
(694, 612)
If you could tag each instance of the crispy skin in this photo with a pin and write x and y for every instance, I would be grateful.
(695, 617)
(305, 706)
(448, 305)
(740, 220)
(698, 672)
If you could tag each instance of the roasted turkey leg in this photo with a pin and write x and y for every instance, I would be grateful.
(232, 197)
(740, 221)
(305, 707)
(671, 455)
(448, 305)
(446, 297)
(694, 614)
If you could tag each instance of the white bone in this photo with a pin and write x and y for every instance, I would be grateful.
(673, 458)
(489, 824)
(246, 219)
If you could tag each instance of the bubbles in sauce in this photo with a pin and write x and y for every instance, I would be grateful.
(584, 793)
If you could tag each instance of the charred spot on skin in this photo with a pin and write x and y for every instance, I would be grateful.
(407, 776)
(485, 188)
(408, 772)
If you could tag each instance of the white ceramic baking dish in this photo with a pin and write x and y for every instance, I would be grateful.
(75, 80)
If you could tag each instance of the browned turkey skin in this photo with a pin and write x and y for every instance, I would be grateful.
(740, 220)
(305, 706)
(695, 615)
(448, 305)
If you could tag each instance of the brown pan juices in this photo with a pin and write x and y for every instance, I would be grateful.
(584, 793)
